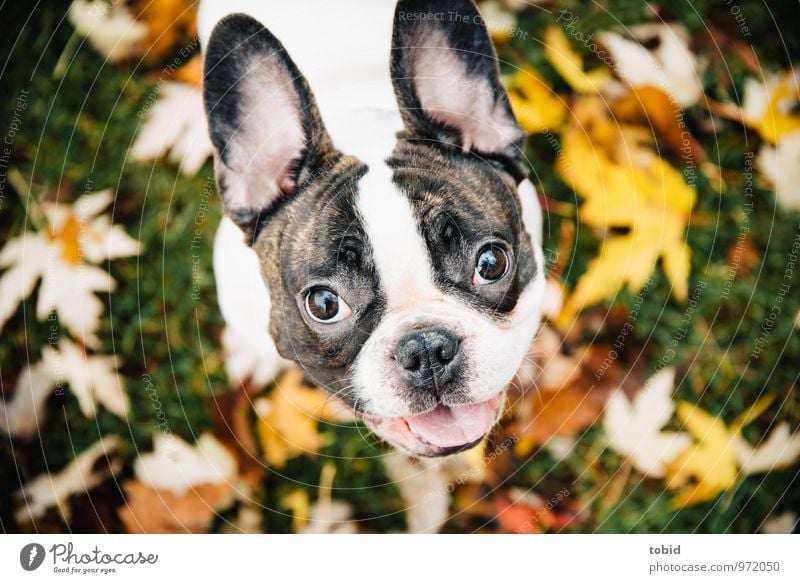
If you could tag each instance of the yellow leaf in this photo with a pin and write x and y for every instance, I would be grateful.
(287, 419)
(771, 108)
(707, 467)
(569, 64)
(297, 501)
(624, 184)
(535, 106)
(169, 23)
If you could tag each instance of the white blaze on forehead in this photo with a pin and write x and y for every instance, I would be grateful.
(398, 248)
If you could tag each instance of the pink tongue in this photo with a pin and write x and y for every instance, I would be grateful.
(453, 426)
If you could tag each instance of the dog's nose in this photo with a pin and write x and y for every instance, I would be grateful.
(428, 356)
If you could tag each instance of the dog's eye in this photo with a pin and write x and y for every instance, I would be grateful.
(325, 306)
(491, 265)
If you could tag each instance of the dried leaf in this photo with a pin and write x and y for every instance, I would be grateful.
(624, 184)
(670, 66)
(535, 106)
(635, 429)
(708, 466)
(152, 511)
(110, 28)
(780, 166)
(568, 63)
(179, 487)
(779, 450)
(176, 125)
(287, 418)
(23, 414)
(80, 476)
(169, 23)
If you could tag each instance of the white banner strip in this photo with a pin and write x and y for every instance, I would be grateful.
(401, 558)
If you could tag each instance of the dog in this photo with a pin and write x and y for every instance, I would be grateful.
(380, 229)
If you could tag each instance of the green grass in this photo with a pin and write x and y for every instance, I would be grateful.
(76, 132)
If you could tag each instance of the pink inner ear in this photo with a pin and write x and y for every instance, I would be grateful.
(269, 139)
(448, 94)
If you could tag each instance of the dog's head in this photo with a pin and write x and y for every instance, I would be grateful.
(409, 286)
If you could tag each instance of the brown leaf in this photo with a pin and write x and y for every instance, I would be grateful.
(652, 105)
(233, 427)
(151, 511)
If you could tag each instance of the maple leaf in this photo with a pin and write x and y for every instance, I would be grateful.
(176, 125)
(635, 429)
(624, 184)
(779, 450)
(535, 106)
(61, 255)
(179, 487)
(568, 63)
(110, 28)
(771, 106)
(288, 417)
(168, 23)
(708, 466)
(780, 166)
(24, 412)
(92, 379)
(670, 66)
(80, 476)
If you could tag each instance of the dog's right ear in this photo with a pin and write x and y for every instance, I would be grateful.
(262, 117)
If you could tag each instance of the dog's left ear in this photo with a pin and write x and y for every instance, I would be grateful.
(445, 76)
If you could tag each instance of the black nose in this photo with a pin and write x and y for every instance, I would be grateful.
(428, 357)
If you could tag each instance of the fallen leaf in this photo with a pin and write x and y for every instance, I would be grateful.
(92, 379)
(80, 476)
(779, 450)
(177, 466)
(535, 106)
(288, 417)
(176, 125)
(326, 515)
(233, 428)
(771, 106)
(62, 255)
(648, 105)
(624, 184)
(149, 511)
(500, 22)
(110, 27)
(708, 466)
(780, 166)
(569, 64)
(562, 413)
(168, 23)
(527, 512)
(179, 487)
(635, 429)
(425, 490)
(786, 523)
(670, 66)
(23, 414)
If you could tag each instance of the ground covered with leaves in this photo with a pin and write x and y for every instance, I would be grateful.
(660, 395)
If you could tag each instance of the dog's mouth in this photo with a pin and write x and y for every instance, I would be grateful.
(441, 431)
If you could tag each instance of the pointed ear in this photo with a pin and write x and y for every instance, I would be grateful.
(264, 123)
(445, 77)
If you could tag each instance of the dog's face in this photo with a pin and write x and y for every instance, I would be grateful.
(410, 285)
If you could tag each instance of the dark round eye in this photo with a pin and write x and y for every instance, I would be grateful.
(492, 264)
(324, 305)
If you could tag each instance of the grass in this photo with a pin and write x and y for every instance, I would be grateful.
(76, 132)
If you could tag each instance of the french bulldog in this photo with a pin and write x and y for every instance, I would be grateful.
(380, 229)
